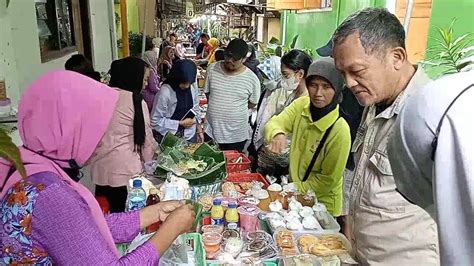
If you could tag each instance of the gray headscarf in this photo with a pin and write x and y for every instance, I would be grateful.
(326, 68)
(151, 58)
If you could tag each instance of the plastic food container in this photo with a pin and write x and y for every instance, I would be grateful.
(345, 257)
(286, 244)
(327, 222)
(331, 227)
(248, 216)
(248, 200)
(212, 229)
(212, 244)
(304, 259)
(258, 235)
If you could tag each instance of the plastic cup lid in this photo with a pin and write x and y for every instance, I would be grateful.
(249, 210)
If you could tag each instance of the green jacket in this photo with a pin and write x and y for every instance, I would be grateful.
(326, 176)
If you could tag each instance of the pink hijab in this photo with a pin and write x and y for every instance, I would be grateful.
(63, 115)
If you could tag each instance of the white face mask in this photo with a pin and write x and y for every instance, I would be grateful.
(289, 84)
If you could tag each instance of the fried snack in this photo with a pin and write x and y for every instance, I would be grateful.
(229, 189)
(191, 148)
(206, 202)
(285, 239)
(327, 245)
(244, 186)
(306, 242)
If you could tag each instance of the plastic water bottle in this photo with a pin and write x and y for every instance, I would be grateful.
(136, 197)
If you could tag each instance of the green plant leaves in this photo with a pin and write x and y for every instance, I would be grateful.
(274, 47)
(10, 152)
(293, 42)
(450, 54)
(274, 40)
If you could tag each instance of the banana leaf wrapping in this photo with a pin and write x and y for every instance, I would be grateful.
(200, 164)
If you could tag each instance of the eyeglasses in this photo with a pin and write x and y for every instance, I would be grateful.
(230, 56)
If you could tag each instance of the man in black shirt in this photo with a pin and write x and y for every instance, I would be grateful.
(202, 45)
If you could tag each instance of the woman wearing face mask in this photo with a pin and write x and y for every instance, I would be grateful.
(129, 141)
(321, 139)
(176, 106)
(284, 83)
(47, 218)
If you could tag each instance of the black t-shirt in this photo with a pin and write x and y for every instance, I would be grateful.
(200, 48)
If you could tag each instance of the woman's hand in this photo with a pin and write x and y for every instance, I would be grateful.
(178, 222)
(165, 208)
(187, 123)
(279, 144)
(157, 212)
(182, 218)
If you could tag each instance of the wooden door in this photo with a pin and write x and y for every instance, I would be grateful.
(417, 39)
(82, 31)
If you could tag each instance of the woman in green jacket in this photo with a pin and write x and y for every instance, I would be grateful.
(313, 120)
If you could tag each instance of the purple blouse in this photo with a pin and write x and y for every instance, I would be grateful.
(45, 221)
(150, 91)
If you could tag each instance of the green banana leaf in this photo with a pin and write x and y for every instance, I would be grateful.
(10, 152)
(197, 211)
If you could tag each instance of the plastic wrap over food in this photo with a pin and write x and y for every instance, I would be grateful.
(210, 189)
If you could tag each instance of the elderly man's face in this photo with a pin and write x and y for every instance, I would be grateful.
(371, 78)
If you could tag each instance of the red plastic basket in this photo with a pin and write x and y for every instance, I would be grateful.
(247, 177)
(242, 166)
(230, 153)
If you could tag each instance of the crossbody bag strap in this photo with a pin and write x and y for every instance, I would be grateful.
(318, 151)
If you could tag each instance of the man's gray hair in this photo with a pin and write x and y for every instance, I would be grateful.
(377, 28)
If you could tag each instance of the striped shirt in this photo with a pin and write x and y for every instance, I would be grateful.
(229, 96)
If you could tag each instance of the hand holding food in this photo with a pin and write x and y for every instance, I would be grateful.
(164, 208)
(181, 219)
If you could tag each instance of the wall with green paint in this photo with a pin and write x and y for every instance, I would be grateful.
(132, 17)
(443, 12)
(315, 28)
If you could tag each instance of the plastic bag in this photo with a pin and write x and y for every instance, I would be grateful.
(177, 253)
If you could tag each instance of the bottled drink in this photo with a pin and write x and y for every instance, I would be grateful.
(153, 198)
(136, 197)
(217, 213)
(232, 216)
